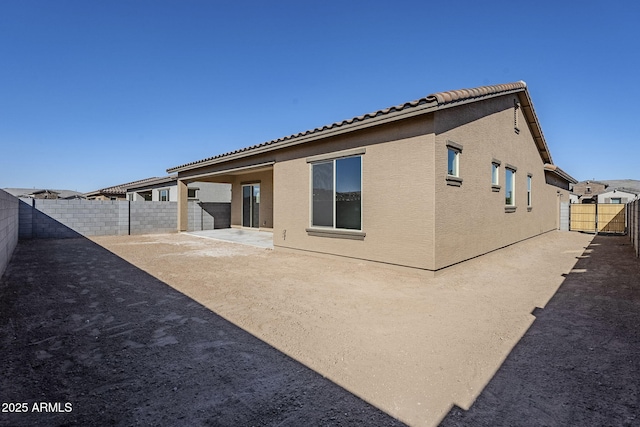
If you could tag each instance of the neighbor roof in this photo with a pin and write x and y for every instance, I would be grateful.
(25, 192)
(433, 102)
(120, 189)
(152, 182)
(560, 173)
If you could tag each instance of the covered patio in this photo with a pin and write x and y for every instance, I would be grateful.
(251, 194)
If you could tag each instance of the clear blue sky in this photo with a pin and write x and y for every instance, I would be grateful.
(98, 93)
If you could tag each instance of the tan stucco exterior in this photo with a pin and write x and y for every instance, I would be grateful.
(472, 219)
(412, 215)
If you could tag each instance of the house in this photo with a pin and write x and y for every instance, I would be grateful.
(165, 189)
(587, 191)
(213, 200)
(425, 184)
(618, 195)
(43, 193)
(117, 192)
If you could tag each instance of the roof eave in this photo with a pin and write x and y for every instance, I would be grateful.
(560, 173)
(534, 125)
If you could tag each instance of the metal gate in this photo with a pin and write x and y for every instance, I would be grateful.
(603, 218)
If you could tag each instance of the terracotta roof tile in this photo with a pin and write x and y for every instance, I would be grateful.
(121, 188)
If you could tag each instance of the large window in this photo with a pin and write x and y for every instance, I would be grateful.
(337, 189)
(509, 184)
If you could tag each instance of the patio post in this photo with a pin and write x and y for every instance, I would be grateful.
(183, 215)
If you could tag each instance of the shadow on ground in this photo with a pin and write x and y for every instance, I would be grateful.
(83, 330)
(579, 363)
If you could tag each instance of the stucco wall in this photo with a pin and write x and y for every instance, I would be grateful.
(410, 216)
(397, 204)
(620, 194)
(9, 225)
(471, 219)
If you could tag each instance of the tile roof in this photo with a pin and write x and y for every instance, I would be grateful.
(430, 102)
(25, 192)
(121, 188)
(152, 181)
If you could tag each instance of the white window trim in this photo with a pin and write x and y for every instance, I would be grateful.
(160, 190)
(511, 207)
(529, 192)
(495, 186)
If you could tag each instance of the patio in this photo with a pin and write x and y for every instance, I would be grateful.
(258, 238)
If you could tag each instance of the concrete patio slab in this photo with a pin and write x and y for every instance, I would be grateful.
(258, 238)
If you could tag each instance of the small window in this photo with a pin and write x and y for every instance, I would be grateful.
(516, 107)
(495, 171)
(192, 193)
(453, 164)
(588, 190)
(529, 178)
(495, 175)
(616, 200)
(164, 195)
(509, 183)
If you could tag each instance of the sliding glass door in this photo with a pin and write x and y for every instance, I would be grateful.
(251, 205)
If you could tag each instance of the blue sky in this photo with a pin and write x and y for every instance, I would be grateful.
(98, 93)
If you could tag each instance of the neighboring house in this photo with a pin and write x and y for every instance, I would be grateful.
(425, 184)
(166, 190)
(40, 193)
(587, 191)
(117, 192)
(574, 198)
(618, 195)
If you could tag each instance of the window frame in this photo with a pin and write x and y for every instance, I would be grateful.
(454, 179)
(495, 175)
(511, 205)
(529, 192)
(333, 230)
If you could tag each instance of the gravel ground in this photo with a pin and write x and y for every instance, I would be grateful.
(412, 347)
(579, 364)
(90, 340)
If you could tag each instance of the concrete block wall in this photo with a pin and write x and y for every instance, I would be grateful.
(208, 215)
(153, 217)
(25, 210)
(44, 218)
(221, 212)
(73, 218)
(9, 226)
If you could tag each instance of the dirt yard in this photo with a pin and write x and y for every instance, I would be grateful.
(412, 346)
